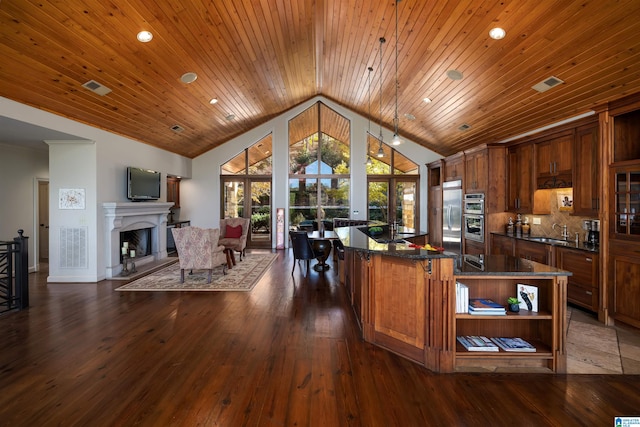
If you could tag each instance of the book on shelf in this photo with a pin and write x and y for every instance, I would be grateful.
(527, 296)
(462, 298)
(485, 304)
(488, 312)
(513, 344)
(477, 343)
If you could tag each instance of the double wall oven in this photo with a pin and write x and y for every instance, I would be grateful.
(473, 218)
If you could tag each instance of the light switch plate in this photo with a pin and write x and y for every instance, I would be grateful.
(536, 221)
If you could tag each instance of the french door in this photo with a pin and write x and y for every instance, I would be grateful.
(249, 198)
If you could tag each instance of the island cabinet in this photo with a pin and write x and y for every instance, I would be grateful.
(534, 251)
(545, 328)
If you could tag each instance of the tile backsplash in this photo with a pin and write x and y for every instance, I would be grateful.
(557, 216)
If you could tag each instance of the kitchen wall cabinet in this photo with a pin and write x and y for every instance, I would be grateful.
(476, 171)
(554, 161)
(583, 286)
(586, 169)
(520, 178)
(454, 167)
(625, 209)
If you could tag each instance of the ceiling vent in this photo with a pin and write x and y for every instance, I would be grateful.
(547, 84)
(96, 87)
(177, 128)
(464, 127)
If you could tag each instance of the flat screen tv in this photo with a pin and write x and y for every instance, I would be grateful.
(142, 184)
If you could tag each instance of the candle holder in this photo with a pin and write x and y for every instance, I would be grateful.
(125, 271)
(133, 265)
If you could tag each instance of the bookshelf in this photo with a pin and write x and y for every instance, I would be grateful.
(544, 329)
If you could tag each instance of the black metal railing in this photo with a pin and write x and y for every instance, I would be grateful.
(14, 273)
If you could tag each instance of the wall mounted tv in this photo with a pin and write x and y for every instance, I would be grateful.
(142, 184)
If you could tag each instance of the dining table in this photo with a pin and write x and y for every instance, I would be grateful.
(321, 243)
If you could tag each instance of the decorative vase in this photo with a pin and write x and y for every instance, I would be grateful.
(514, 307)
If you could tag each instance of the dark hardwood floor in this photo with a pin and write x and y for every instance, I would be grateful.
(287, 353)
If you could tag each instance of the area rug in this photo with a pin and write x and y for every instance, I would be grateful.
(242, 277)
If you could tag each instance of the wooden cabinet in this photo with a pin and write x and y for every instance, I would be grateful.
(435, 203)
(553, 161)
(543, 329)
(476, 172)
(583, 287)
(538, 252)
(586, 169)
(471, 247)
(626, 139)
(454, 167)
(625, 209)
(520, 178)
(502, 245)
(173, 191)
(624, 282)
(171, 244)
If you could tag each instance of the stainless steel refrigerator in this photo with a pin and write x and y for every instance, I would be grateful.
(452, 216)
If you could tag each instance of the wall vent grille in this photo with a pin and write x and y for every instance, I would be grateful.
(73, 247)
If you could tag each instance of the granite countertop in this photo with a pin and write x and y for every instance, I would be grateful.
(503, 265)
(355, 238)
(571, 244)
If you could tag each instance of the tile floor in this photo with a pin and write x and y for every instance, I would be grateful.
(593, 348)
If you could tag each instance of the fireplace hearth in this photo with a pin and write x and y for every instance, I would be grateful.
(132, 219)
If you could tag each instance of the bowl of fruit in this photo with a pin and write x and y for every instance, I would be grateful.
(428, 247)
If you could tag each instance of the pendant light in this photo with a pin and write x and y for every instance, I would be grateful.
(369, 162)
(396, 138)
(381, 150)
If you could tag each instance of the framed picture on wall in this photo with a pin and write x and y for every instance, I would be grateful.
(71, 198)
(565, 200)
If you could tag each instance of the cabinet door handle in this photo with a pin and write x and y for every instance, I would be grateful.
(589, 292)
(589, 259)
(550, 167)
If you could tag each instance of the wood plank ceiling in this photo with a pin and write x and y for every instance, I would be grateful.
(260, 58)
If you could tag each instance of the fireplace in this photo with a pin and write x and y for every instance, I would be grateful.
(132, 219)
(140, 240)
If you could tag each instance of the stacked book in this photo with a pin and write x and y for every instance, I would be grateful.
(486, 307)
(513, 344)
(477, 343)
(462, 298)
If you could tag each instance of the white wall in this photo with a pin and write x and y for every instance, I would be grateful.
(200, 196)
(19, 170)
(96, 161)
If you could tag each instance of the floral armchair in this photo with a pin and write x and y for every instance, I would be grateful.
(233, 234)
(199, 248)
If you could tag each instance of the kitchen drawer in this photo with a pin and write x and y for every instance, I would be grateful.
(583, 296)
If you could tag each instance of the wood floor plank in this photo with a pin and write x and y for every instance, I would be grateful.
(287, 353)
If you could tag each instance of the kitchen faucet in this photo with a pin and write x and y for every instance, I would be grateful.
(565, 233)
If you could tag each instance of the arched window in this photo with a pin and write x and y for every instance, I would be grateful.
(319, 167)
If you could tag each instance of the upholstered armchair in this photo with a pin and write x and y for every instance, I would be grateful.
(233, 234)
(199, 249)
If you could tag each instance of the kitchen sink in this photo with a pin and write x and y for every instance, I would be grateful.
(549, 240)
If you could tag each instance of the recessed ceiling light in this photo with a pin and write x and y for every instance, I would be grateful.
(213, 101)
(497, 33)
(230, 117)
(144, 36)
(189, 77)
(409, 116)
(427, 100)
(454, 75)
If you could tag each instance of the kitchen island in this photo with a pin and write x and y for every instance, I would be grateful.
(404, 298)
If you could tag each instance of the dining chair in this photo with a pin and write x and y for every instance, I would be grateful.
(302, 248)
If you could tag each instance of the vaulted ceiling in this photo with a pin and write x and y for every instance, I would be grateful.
(260, 58)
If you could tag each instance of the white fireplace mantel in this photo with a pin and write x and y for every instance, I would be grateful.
(123, 216)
